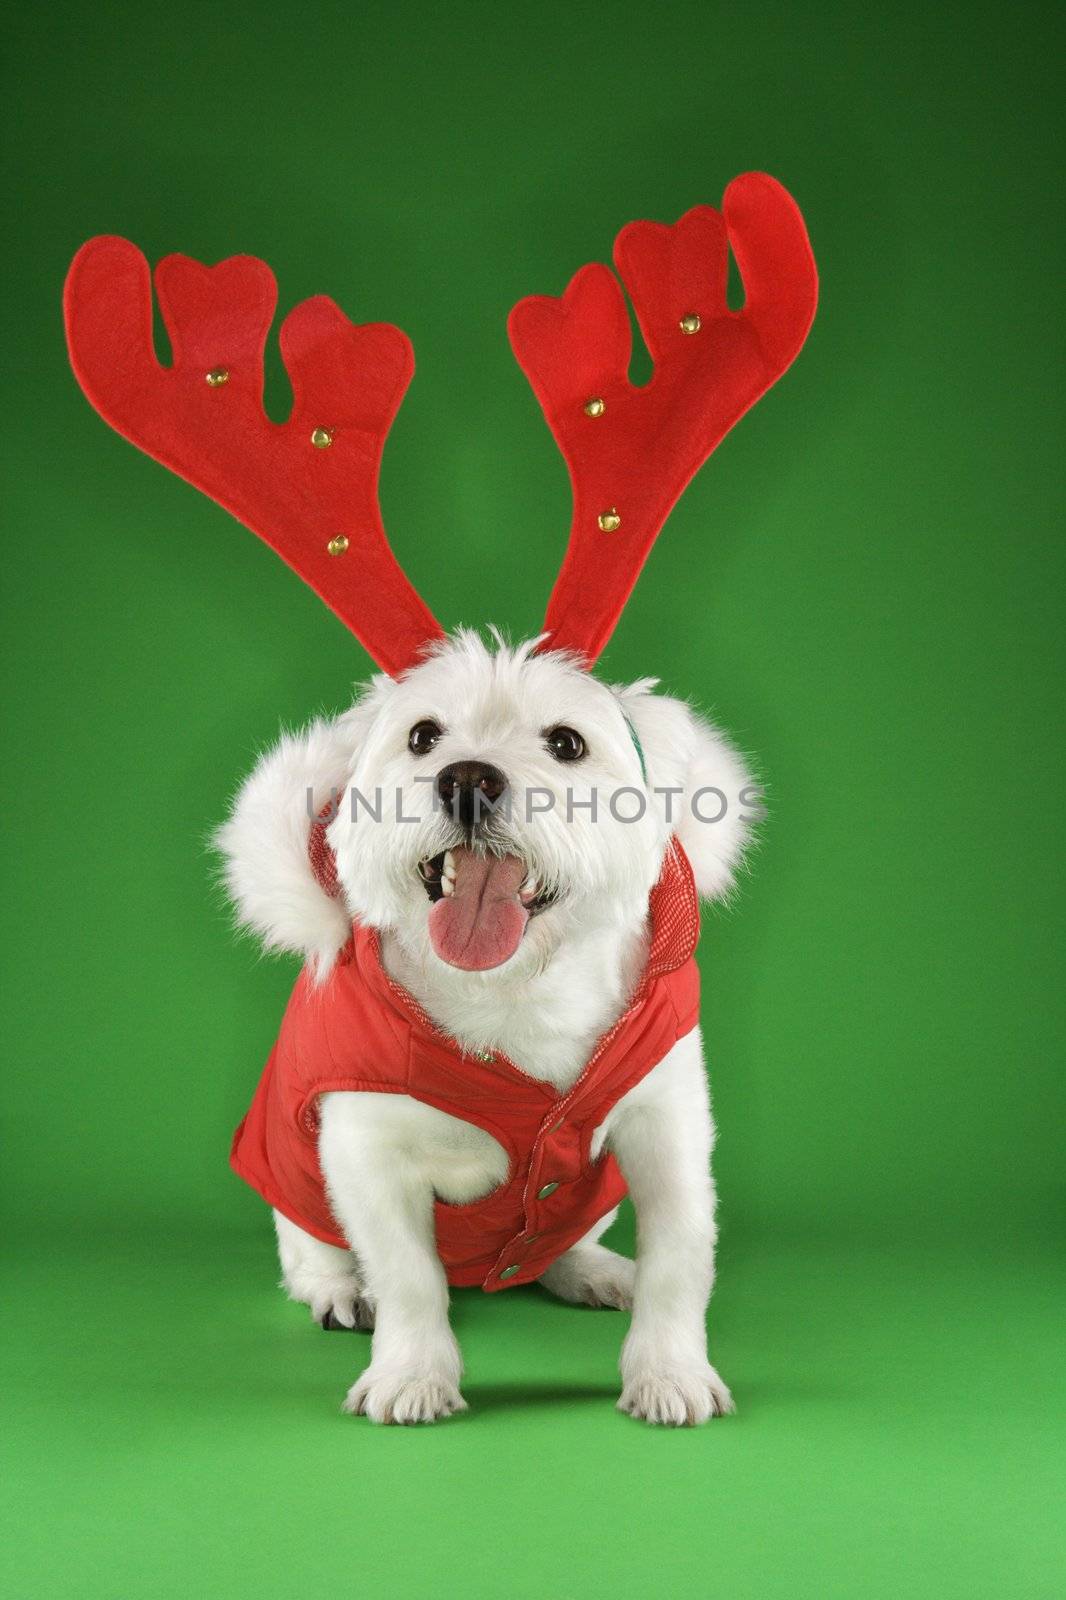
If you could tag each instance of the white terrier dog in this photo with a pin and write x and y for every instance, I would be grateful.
(495, 1034)
(566, 931)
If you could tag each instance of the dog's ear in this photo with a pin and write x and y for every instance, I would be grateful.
(264, 841)
(712, 799)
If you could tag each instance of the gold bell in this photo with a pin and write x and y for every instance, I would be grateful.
(595, 407)
(690, 323)
(339, 545)
(216, 377)
(609, 520)
(322, 438)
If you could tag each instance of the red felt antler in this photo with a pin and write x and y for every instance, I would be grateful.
(631, 451)
(308, 486)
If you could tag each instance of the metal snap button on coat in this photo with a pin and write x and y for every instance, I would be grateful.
(549, 1188)
(509, 1272)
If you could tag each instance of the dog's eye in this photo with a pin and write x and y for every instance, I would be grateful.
(565, 744)
(424, 736)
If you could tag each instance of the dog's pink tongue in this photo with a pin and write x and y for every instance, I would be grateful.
(481, 923)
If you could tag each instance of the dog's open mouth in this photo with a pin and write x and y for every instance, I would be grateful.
(481, 906)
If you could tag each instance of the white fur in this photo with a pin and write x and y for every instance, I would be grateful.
(386, 1157)
(264, 844)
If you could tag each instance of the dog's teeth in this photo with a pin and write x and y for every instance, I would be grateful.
(449, 866)
(447, 885)
(529, 889)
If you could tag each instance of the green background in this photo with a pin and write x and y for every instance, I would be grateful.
(865, 585)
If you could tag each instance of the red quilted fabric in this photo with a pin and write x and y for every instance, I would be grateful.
(360, 1030)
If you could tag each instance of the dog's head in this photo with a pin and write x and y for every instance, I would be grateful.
(491, 803)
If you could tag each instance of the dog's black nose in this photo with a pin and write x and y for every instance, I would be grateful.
(470, 790)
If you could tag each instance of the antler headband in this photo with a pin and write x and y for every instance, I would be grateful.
(308, 486)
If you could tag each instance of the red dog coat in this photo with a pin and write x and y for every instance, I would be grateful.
(362, 1031)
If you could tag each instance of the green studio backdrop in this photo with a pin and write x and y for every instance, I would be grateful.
(864, 585)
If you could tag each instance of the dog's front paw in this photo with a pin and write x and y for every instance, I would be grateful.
(677, 1397)
(399, 1396)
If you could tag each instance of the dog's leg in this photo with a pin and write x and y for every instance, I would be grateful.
(591, 1275)
(384, 1202)
(661, 1135)
(322, 1277)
